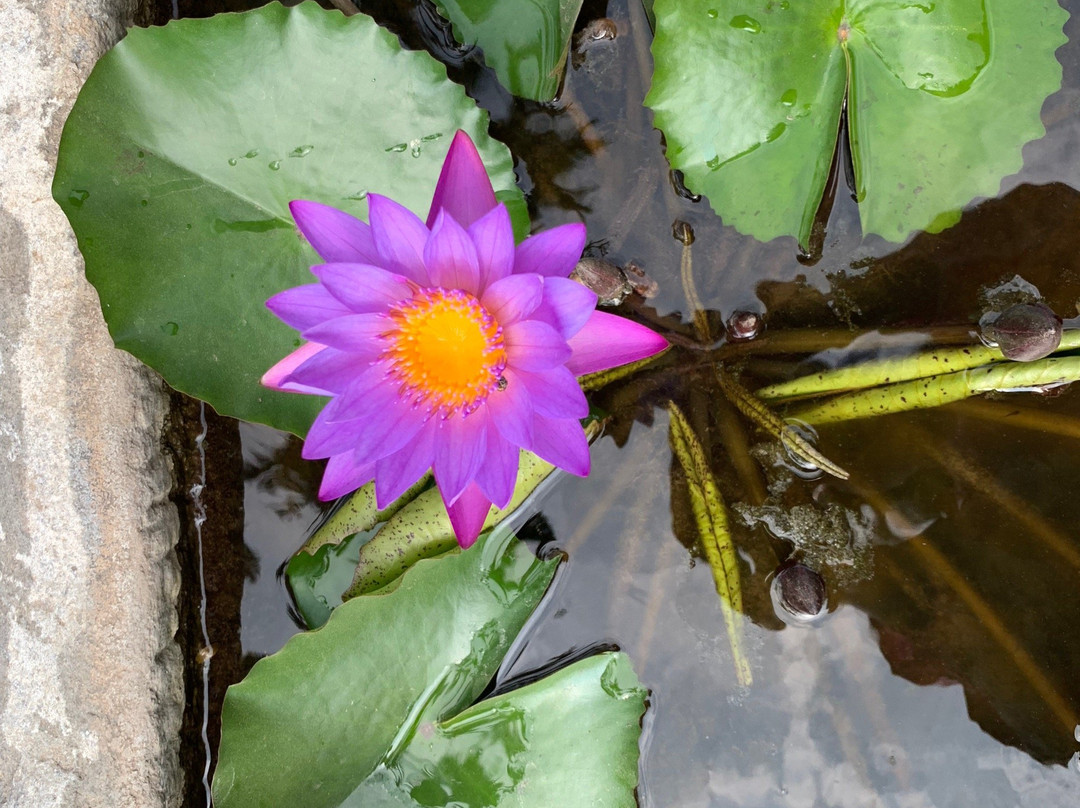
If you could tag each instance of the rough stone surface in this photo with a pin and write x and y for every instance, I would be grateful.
(90, 679)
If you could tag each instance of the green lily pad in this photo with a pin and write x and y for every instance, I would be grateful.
(941, 96)
(374, 709)
(184, 149)
(524, 41)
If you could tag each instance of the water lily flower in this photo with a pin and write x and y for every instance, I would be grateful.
(445, 346)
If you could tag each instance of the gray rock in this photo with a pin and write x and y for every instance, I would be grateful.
(91, 694)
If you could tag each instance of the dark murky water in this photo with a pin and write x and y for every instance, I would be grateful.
(945, 671)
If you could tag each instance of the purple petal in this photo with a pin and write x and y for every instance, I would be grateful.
(555, 393)
(459, 451)
(533, 345)
(566, 307)
(374, 423)
(276, 377)
(396, 472)
(450, 256)
(551, 252)
(468, 513)
(493, 235)
(498, 473)
(513, 297)
(561, 442)
(607, 341)
(343, 475)
(331, 370)
(363, 287)
(335, 234)
(463, 190)
(400, 237)
(511, 411)
(353, 332)
(304, 306)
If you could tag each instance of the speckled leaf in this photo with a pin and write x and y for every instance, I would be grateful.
(373, 709)
(940, 99)
(184, 149)
(524, 41)
(935, 391)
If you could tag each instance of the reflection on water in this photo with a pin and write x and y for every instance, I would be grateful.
(944, 672)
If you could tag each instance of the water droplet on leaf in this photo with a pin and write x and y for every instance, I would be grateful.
(301, 151)
(170, 328)
(77, 197)
(745, 23)
(275, 165)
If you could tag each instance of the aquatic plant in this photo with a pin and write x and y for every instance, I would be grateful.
(444, 346)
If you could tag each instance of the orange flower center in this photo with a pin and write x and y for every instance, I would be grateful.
(445, 349)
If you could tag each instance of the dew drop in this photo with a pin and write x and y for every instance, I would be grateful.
(77, 197)
(397, 147)
(359, 196)
(232, 161)
(789, 98)
(170, 328)
(301, 151)
(143, 203)
(252, 153)
(712, 13)
(275, 165)
(744, 22)
(141, 154)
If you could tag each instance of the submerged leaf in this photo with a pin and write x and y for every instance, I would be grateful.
(712, 524)
(373, 709)
(524, 41)
(940, 99)
(184, 149)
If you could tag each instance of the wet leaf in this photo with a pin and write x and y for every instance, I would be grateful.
(524, 41)
(940, 99)
(884, 371)
(359, 513)
(714, 534)
(934, 391)
(756, 410)
(422, 529)
(373, 709)
(184, 149)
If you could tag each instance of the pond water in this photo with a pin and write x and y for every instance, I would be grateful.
(944, 670)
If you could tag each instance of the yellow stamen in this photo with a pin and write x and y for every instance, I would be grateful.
(445, 349)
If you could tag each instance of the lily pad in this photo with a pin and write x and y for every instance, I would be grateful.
(184, 149)
(524, 41)
(373, 709)
(940, 99)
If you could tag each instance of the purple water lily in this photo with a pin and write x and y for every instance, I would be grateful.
(444, 346)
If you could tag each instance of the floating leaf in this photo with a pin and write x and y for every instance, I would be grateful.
(422, 529)
(184, 149)
(934, 391)
(940, 99)
(373, 709)
(524, 41)
(884, 371)
(712, 523)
